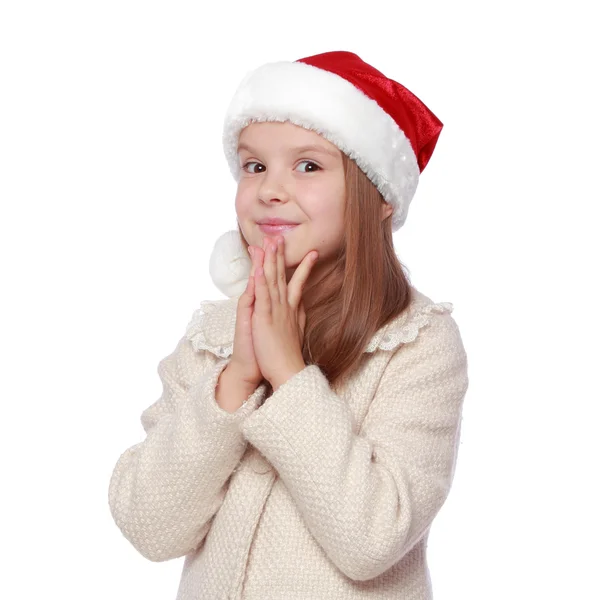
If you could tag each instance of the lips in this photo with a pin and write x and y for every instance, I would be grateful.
(276, 221)
(275, 229)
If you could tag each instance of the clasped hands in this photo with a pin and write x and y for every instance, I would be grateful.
(278, 318)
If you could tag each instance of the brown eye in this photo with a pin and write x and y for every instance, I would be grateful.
(310, 162)
(251, 163)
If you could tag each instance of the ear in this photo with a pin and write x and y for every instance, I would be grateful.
(386, 210)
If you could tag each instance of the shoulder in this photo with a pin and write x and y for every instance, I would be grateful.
(422, 314)
(427, 349)
(431, 352)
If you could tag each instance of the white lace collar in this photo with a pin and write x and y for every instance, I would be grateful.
(212, 326)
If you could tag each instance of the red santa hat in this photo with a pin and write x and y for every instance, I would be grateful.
(376, 121)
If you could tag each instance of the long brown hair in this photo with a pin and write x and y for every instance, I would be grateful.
(365, 288)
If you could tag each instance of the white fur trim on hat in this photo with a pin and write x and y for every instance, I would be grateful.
(230, 264)
(327, 103)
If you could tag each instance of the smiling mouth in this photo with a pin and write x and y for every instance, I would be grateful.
(276, 228)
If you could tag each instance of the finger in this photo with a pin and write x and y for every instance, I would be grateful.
(252, 253)
(261, 293)
(270, 266)
(250, 290)
(250, 284)
(247, 297)
(299, 278)
(302, 318)
(281, 280)
(257, 255)
(259, 258)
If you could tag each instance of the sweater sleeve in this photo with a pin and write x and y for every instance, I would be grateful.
(368, 497)
(164, 491)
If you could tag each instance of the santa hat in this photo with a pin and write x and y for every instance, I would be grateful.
(376, 121)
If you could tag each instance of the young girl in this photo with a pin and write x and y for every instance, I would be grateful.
(307, 432)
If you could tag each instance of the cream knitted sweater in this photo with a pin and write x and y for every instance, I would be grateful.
(306, 494)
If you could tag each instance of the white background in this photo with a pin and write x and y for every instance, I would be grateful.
(114, 187)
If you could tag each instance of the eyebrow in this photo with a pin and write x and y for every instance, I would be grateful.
(298, 149)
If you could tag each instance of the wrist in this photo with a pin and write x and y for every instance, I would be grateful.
(231, 391)
(231, 371)
(279, 380)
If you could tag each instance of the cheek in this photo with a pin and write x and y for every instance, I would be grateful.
(243, 210)
(243, 205)
(328, 232)
(328, 219)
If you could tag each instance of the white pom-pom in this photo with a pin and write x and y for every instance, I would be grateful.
(230, 264)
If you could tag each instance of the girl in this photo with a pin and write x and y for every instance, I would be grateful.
(307, 432)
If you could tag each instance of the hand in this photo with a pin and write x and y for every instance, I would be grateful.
(243, 360)
(279, 317)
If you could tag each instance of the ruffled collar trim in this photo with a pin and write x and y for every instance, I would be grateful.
(212, 326)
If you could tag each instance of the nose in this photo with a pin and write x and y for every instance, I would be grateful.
(273, 189)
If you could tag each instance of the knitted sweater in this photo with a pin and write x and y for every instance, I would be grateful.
(306, 494)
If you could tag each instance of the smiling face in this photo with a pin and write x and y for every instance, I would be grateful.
(280, 178)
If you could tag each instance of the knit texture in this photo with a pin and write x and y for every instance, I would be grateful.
(305, 494)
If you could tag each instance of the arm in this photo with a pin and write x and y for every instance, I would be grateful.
(367, 498)
(232, 392)
(164, 491)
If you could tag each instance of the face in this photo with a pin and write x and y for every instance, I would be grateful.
(281, 179)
